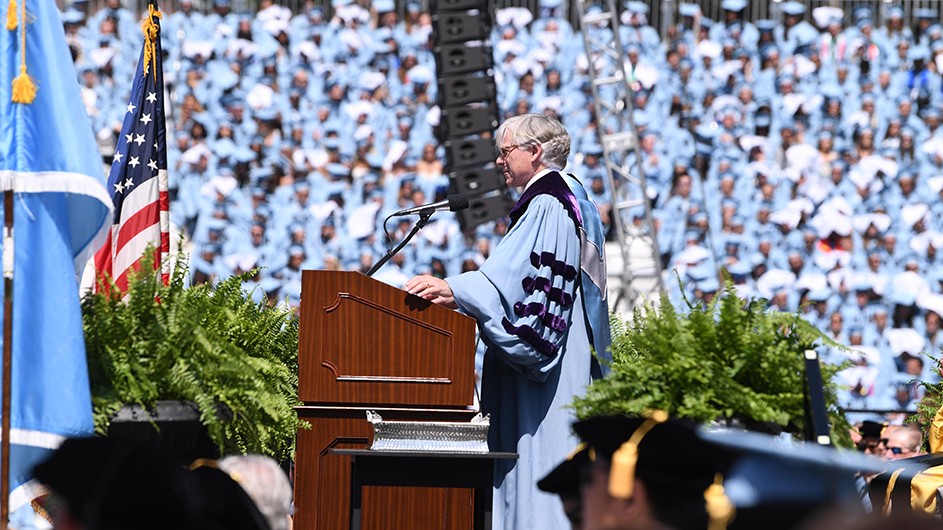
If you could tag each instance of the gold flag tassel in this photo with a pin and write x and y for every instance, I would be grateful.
(24, 88)
(720, 511)
(622, 471)
(11, 15)
(151, 29)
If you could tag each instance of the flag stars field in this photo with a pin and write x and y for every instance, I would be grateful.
(139, 178)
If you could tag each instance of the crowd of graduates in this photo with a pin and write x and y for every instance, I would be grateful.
(801, 155)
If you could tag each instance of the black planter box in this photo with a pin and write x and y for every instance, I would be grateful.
(171, 426)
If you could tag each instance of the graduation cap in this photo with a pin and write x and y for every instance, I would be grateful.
(826, 15)
(929, 301)
(925, 13)
(820, 295)
(861, 12)
(905, 341)
(513, 17)
(739, 269)
(774, 281)
(777, 483)
(384, 6)
(919, 53)
(871, 429)
(689, 10)
(708, 285)
(692, 254)
(679, 470)
(937, 43)
(811, 281)
(793, 8)
(637, 7)
(113, 483)
(914, 213)
(862, 23)
(73, 16)
(565, 479)
(766, 25)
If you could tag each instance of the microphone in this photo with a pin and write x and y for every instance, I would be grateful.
(453, 203)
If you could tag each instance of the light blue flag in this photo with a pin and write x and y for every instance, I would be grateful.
(49, 158)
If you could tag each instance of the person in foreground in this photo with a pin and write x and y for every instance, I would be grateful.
(539, 301)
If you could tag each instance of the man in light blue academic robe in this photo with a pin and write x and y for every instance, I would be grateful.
(531, 298)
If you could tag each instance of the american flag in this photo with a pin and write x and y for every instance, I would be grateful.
(138, 178)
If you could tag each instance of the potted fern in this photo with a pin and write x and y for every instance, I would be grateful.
(231, 360)
(729, 361)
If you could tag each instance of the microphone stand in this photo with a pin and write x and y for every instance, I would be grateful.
(420, 224)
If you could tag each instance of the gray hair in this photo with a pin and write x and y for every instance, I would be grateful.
(266, 484)
(530, 130)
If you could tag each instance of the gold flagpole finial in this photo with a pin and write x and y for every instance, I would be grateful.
(151, 30)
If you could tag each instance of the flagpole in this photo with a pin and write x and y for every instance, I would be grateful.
(7, 358)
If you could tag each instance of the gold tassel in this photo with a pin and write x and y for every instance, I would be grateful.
(891, 482)
(720, 511)
(11, 16)
(24, 88)
(622, 470)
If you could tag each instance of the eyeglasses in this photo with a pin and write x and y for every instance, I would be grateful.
(896, 450)
(507, 150)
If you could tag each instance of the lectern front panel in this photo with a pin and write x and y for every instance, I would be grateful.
(363, 342)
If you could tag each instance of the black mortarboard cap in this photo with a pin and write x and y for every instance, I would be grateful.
(777, 483)
(871, 429)
(670, 453)
(112, 483)
(682, 473)
(564, 480)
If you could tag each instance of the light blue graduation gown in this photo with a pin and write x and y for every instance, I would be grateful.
(531, 319)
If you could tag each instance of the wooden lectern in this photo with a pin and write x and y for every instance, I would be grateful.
(364, 345)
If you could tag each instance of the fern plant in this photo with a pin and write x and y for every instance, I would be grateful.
(213, 346)
(729, 361)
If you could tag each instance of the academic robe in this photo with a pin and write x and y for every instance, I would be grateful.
(531, 318)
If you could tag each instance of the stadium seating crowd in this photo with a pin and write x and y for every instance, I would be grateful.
(803, 156)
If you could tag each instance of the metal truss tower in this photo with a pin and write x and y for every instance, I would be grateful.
(639, 277)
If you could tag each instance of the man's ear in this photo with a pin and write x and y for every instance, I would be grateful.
(537, 154)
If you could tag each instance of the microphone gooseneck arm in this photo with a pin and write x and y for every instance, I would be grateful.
(423, 220)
